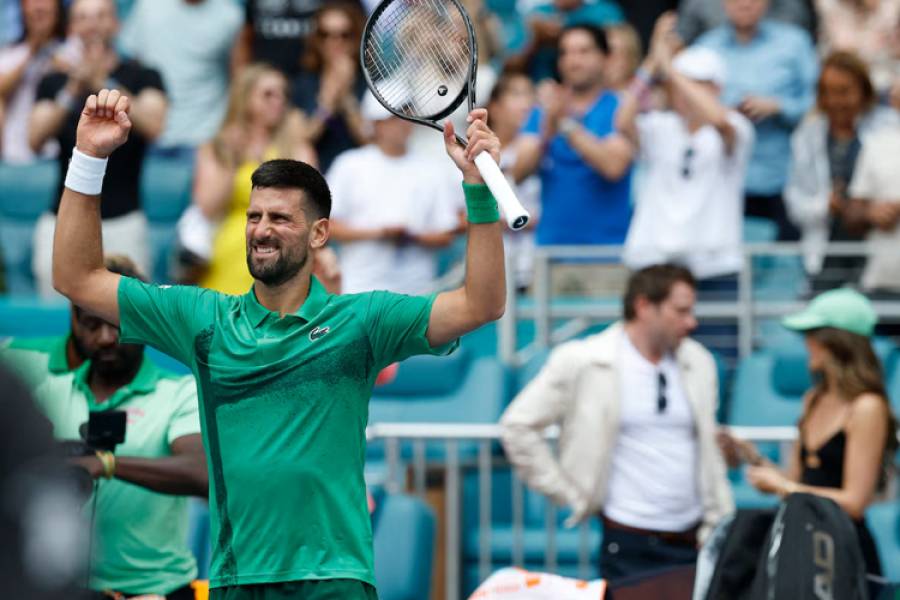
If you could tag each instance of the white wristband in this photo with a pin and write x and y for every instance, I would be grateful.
(85, 174)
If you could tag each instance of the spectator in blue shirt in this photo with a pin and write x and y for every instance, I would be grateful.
(546, 22)
(772, 71)
(571, 141)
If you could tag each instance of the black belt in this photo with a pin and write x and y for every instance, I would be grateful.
(687, 537)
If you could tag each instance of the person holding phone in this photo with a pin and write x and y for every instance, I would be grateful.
(847, 433)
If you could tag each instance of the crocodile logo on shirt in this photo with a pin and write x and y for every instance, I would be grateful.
(318, 332)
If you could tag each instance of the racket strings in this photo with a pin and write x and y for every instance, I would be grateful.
(418, 54)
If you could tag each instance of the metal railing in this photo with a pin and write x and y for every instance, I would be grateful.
(473, 446)
(746, 310)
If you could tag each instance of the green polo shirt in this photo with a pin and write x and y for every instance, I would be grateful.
(284, 406)
(35, 359)
(141, 536)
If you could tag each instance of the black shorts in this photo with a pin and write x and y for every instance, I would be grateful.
(325, 589)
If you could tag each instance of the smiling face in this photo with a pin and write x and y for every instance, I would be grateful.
(842, 96)
(280, 234)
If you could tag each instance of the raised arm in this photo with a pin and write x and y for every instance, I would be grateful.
(78, 270)
(482, 297)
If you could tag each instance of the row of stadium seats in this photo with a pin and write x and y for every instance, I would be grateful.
(471, 386)
(404, 532)
(27, 191)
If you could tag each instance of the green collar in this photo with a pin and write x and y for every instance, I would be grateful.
(144, 382)
(314, 303)
(58, 361)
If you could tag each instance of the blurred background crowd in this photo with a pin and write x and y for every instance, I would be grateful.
(654, 131)
(605, 146)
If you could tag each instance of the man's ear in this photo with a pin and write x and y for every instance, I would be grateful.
(318, 236)
(641, 304)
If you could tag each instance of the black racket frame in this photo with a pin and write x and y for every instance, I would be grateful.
(468, 91)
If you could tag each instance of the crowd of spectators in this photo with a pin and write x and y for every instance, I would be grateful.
(614, 134)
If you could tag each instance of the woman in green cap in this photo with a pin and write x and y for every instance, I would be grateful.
(847, 434)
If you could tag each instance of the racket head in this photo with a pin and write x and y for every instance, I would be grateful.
(419, 58)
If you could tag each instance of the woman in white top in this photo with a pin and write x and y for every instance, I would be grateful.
(825, 148)
(22, 65)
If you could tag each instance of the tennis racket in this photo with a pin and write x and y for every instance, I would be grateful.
(419, 58)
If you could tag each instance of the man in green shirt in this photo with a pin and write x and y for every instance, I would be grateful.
(141, 512)
(284, 372)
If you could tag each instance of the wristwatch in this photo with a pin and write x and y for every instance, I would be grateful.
(567, 125)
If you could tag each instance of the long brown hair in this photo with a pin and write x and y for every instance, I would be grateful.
(237, 117)
(311, 60)
(855, 370)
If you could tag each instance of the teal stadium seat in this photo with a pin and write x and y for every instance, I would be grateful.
(403, 527)
(884, 522)
(165, 193)
(534, 532)
(774, 277)
(534, 535)
(459, 388)
(512, 23)
(404, 532)
(26, 191)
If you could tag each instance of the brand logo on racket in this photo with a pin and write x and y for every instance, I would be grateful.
(318, 332)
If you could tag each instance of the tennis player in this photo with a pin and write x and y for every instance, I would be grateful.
(284, 372)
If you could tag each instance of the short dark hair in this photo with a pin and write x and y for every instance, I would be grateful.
(283, 173)
(654, 283)
(595, 32)
(122, 265)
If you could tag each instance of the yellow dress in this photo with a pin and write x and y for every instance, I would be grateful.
(227, 270)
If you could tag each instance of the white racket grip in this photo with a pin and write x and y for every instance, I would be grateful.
(516, 215)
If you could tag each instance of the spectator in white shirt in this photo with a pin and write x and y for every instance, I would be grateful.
(876, 181)
(391, 210)
(636, 408)
(690, 207)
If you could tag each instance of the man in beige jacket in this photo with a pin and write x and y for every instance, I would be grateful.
(636, 406)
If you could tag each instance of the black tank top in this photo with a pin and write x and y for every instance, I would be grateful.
(828, 460)
(828, 471)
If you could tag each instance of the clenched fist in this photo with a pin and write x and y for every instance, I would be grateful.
(104, 124)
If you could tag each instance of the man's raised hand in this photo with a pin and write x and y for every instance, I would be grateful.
(104, 123)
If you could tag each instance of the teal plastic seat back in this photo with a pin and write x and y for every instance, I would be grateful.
(165, 189)
(26, 191)
(403, 529)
